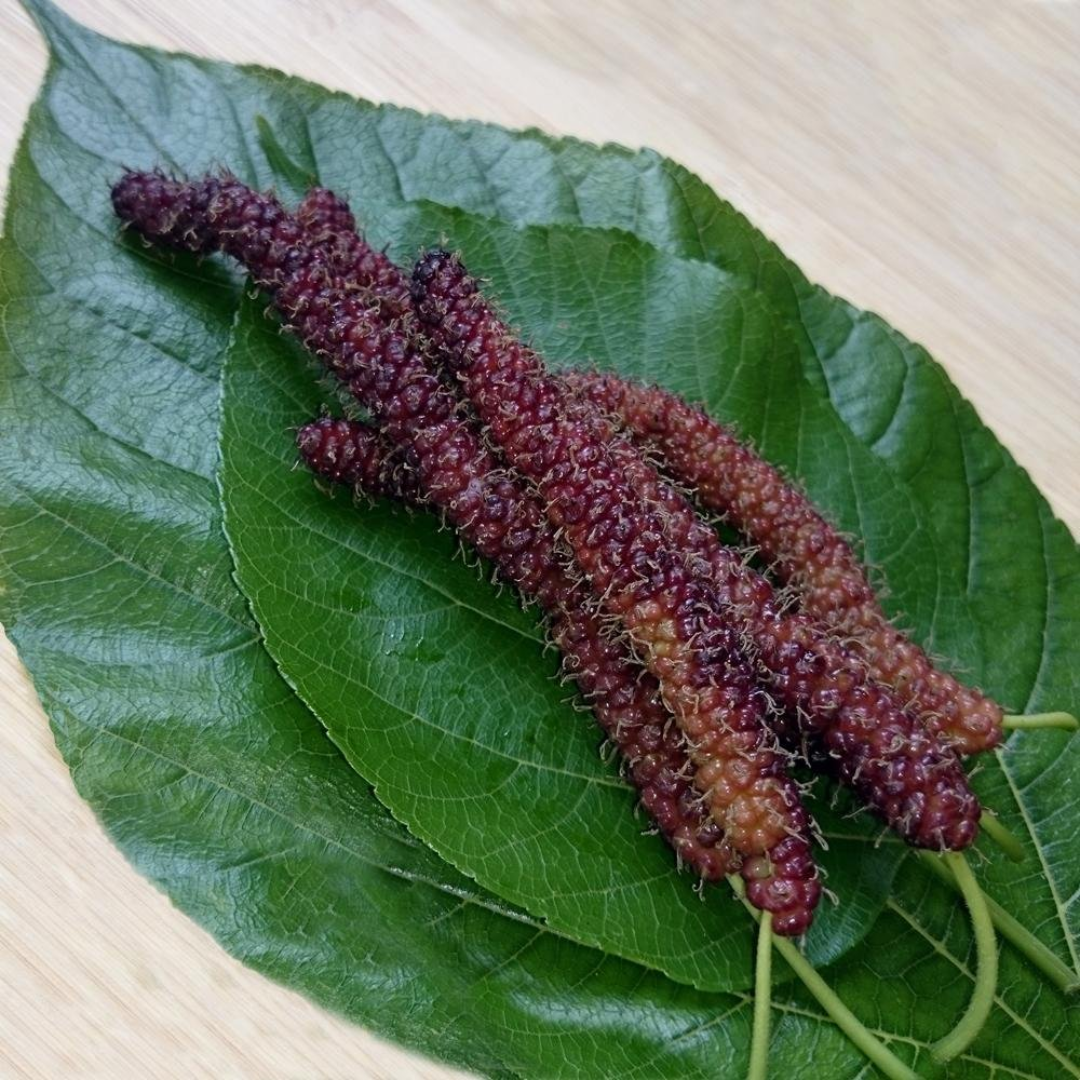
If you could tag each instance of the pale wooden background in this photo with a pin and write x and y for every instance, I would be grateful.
(922, 159)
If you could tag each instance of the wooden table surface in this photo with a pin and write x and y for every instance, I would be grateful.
(921, 159)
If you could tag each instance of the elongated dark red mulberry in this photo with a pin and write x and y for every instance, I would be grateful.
(830, 706)
(450, 467)
(895, 766)
(805, 549)
(683, 631)
(667, 768)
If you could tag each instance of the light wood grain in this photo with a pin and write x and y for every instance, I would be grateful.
(920, 159)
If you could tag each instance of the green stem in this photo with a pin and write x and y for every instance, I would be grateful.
(986, 963)
(1001, 836)
(886, 1061)
(759, 1043)
(1058, 972)
(842, 1016)
(1034, 721)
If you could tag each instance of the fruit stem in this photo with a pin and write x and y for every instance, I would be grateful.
(878, 1053)
(1059, 973)
(1001, 836)
(759, 1042)
(986, 963)
(1035, 721)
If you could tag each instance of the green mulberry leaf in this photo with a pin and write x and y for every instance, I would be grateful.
(204, 767)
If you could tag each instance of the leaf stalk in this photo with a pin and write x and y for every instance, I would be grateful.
(859, 1034)
(986, 963)
(759, 1042)
(1010, 928)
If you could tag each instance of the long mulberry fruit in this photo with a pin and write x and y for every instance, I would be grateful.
(630, 712)
(445, 459)
(674, 615)
(746, 790)
(805, 550)
(916, 784)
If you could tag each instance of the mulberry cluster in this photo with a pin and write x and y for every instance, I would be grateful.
(683, 631)
(719, 653)
(805, 550)
(916, 784)
(442, 458)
